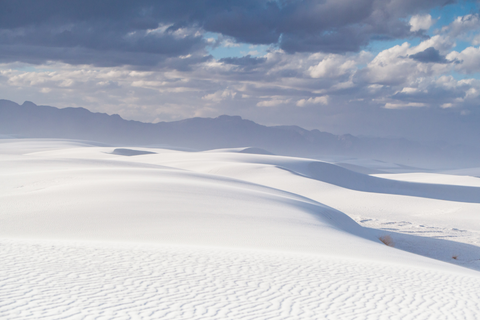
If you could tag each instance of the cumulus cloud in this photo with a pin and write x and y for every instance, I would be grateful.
(421, 22)
(469, 60)
(463, 25)
(332, 66)
(404, 63)
(389, 67)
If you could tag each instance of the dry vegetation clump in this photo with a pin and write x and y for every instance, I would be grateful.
(387, 240)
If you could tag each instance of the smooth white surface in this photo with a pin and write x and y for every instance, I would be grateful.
(89, 234)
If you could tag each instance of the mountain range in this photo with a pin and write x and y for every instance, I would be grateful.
(33, 121)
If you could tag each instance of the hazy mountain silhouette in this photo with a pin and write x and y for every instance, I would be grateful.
(32, 121)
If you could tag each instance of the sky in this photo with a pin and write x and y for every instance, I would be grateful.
(401, 68)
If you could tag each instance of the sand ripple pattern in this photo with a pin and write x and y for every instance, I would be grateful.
(89, 281)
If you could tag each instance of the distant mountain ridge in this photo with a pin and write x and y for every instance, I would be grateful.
(32, 121)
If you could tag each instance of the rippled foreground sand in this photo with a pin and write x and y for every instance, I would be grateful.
(92, 232)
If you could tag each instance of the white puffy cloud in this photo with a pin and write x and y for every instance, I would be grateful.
(391, 66)
(409, 90)
(421, 22)
(462, 25)
(468, 60)
(333, 65)
(441, 43)
(316, 100)
(397, 65)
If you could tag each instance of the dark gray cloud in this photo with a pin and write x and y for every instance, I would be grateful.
(85, 31)
(246, 61)
(103, 33)
(429, 55)
(106, 58)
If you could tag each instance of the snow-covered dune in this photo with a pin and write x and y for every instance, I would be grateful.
(89, 231)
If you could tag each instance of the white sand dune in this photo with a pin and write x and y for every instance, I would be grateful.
(87, 232)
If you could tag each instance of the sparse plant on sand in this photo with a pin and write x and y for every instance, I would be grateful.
(387, 240)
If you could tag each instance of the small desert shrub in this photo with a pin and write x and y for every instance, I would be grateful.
(387, 240)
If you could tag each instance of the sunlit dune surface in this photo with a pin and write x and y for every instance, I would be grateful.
(98, 232)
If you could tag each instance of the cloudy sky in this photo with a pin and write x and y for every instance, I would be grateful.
(375, 67)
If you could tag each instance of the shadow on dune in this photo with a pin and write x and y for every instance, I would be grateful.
(130, 152)
(344, 178)
(459, 253)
